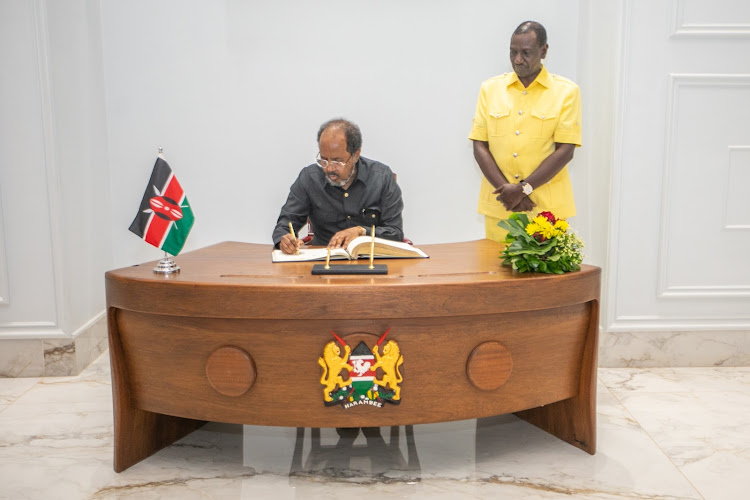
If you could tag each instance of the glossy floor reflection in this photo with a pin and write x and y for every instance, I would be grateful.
(662, 434)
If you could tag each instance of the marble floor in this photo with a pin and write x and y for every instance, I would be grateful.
(663, 433)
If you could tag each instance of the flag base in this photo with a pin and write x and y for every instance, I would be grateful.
(167, 266)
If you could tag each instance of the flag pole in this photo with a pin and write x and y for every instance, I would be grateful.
(167, 265)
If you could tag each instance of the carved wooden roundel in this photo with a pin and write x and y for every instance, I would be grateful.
(489, 366)
(230, 371)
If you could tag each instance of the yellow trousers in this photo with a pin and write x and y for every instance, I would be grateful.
(492, 231)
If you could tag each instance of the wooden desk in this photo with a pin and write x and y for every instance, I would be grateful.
(235, 338)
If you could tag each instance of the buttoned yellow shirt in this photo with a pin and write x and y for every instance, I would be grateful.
(521, 126)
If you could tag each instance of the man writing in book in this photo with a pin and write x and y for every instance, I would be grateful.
(343, 194)
(525, 130)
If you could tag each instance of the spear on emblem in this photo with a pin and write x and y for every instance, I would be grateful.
(383, 337)
(341, 341)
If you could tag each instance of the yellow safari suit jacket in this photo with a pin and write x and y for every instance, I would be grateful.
(521, 126)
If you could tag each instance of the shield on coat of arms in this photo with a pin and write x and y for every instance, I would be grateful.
(362, 374)
(373, 378)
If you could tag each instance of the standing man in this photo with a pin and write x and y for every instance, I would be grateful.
(525, 130)
(342, 193)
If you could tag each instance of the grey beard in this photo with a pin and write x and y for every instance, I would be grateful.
(341, 183)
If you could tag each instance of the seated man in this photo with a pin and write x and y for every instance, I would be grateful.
(343, 194)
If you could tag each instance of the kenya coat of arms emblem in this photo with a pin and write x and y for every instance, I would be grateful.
(371, 378)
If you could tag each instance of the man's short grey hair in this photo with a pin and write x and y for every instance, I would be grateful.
(527, 26)
(351, 130)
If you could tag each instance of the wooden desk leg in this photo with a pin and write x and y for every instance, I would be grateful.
(574, 420)
(138, 433)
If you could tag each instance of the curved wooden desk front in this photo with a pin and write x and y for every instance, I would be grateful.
(235, 338)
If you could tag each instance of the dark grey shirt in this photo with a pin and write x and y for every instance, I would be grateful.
(331, 208)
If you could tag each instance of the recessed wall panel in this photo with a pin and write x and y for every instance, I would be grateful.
(738, 183)
(698, 18)
(703, 169)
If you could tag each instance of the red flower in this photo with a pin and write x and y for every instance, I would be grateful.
(549, 216)
(539, 237)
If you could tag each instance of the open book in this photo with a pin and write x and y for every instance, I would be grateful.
(359, 247)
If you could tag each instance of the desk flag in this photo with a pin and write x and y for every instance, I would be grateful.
(164, 218)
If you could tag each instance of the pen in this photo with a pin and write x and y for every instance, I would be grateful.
(372, 248)
(291, 230)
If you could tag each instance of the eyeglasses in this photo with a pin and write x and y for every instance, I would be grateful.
(330, 163)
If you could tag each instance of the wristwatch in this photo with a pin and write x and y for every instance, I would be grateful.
(526, 188)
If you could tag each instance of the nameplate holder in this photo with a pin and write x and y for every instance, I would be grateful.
(350, 269)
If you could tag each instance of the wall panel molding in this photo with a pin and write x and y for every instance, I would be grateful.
(28, 330)
(90, 323)
(678, 81)
(661, 324)
(4, 286)
(31, 330)
(684, 26)
(50, 155)
(612, 265)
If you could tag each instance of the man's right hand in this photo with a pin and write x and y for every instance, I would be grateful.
(289, 244)
(513, 199)
(525, 205)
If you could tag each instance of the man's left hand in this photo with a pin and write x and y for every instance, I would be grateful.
(510, 195)
(526, 205)
(343, 237)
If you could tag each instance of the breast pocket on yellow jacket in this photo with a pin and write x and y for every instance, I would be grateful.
(499, 122)
(544, 123)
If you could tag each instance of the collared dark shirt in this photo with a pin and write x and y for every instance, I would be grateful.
(331, 208)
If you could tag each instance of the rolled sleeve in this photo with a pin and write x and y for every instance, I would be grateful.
(391, 219)
(568, 129)
(479, 125)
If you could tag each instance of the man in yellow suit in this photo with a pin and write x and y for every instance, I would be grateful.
(525, 130)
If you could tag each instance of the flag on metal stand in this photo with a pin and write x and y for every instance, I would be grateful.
(164, 218)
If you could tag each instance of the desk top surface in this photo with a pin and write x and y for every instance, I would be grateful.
(250, 264)
(238, 280)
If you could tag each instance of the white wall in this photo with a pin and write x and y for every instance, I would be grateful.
(681, 220)
(235, 91)
(29, 300)
(80, 147)
(599, 62)
(54, 185)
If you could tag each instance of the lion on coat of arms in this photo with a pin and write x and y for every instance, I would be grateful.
(332, 363)
(389, 362)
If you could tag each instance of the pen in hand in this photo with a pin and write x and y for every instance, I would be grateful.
(291, 230)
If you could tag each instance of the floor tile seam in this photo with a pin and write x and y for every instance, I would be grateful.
(16, 398)
(678, 393)
(655, 442)
(60, 416)
(67, 404)
(616, 386)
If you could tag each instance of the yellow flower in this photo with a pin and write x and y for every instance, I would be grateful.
(532, 228)
(541, 220)
(561, 225)
(544, 227)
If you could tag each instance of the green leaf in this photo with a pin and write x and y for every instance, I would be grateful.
(514, 228)
(519, 249)
(521, 217)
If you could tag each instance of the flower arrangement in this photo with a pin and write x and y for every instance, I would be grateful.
(541, 245)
